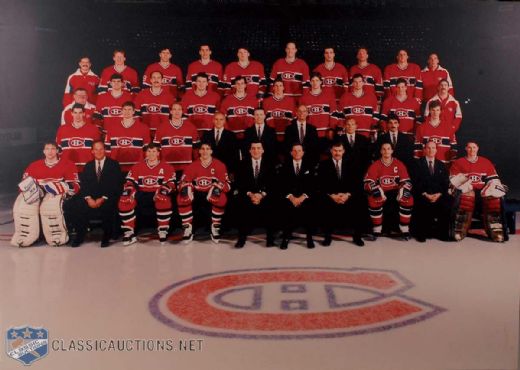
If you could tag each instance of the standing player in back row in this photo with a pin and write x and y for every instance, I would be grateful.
(372, 76)
(130, 77)
(410, 72)
(172, 78)
(292, 71)
(334, 74)
(251, 70)
(208, 66)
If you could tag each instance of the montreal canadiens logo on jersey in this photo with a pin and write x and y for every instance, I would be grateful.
(200, 109)
(204, 182)
(153, 108)
(149, 180)
(124, 141)
(176, 141)
(436, 139)
(475, 177)
(167, 80)
(316, 109)
(76, 142)
(387, 180)
(291, 303)
(329, 81)
(358, 109)
(401, 112)
(288, 75)
(115, 111)
(240, 111)
(278, 114)
(249, 79)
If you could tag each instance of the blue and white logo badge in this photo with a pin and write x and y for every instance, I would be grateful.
(27, 344)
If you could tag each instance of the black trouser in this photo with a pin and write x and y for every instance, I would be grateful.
(250, 215)
(353, 213)
(431, 219)
(78, 214)
(295, 216)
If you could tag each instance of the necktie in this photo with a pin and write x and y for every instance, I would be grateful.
(394, 140)
(98, 172)
(259, 132)
(431, 167)
(257, 169)
(302, 133)
(338, 170)
(351, 140)
(217, 137)
(297, 169)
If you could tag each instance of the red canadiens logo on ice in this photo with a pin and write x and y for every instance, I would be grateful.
(329, 81)
(149, 181)
(290, 303)
(240, 111)
(176, 140)
(200, 109)
(124, 141)
(153, 108)
(316, 109)
(358, 109)
(288, 76)
(114, 111)
(387, 180)
(76, 142)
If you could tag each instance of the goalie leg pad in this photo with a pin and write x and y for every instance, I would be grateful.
(163, 209)
(462, 215)
(375, 208)
(491, 211)
(26, 222)
(53, 222)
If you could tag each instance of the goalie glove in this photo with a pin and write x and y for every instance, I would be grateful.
(30, 190)
(214, 194)
(494, 188)
(461, 183)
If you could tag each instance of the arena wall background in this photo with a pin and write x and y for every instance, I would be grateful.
(476, 40)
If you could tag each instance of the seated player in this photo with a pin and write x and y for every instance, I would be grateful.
(387, 181)
(204, 179)
(147, 189)
(476, 185)
(46, 183)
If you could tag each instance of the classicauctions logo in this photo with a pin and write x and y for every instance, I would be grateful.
(27, 344)
(290, 303)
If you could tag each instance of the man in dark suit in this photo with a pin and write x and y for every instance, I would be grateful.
(101, 183)
(255, 194)
(402, 144)
(262, 133)
(342, 195)
(430, 185)
(296, 184)
(357, 147)
(300, 131)
(223, 142)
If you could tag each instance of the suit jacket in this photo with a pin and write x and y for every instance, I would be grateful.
(310, 141)
(227, 149)
(290, 183)
(329, 183)
(268, 141)
(246, 181)
(110, 184)
(403, 149)
(360, 153)
(424, 182)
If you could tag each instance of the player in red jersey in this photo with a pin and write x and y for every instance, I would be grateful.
(360, 104)
(75, 140)
(179, 139)
(280, 110)
(403, 106)
(211, 68)
(431, 75)
(83, 78)
(292, 71)
(46, 182)
(206, 179)
(200, 104)
(130, 77)
(172, 78)
(321, 105)
(80, 96)
(147, 190)
(387, 179)
(109, 106)
(477, 185)
(372, 76)
(125, 141)
(239, 108)
(334, 75)
(441, 133)
(153, 104)
(410, 72)
(252, 70)
(451, 112)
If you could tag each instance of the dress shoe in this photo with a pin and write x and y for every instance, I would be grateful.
(76, 243)
(405, 236)
(240, 243)
(105, 243)
(270, 242)
(310, 242)
(358, 241)
(285, 244)
(327, 241)
(420, 239)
